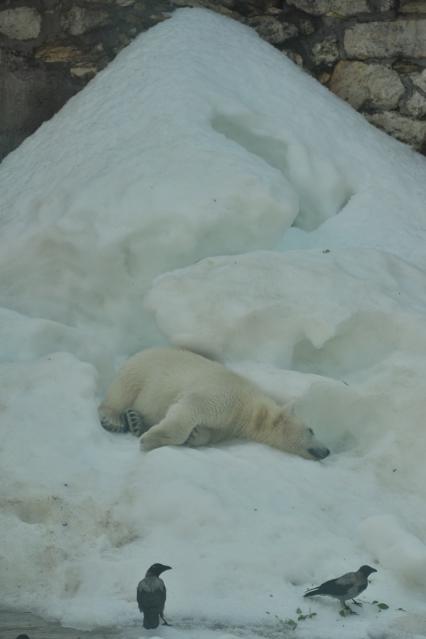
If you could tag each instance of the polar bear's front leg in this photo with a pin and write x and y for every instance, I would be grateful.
(199, 436)
(173, 430)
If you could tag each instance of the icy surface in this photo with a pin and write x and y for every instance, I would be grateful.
(202, 190)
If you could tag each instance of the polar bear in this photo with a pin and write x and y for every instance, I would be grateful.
(172, 396)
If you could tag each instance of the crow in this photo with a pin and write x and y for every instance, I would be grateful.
(348, 586)
(151, 596)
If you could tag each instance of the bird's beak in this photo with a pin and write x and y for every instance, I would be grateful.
(167, 568)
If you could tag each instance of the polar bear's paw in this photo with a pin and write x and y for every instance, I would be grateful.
(199, 437)
(112, 421)
(134, 422)
(147, 442)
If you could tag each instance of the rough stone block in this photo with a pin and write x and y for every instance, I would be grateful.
(273, 30)
(78, 20)
(339, 8)
(413, 6)
(364, 85)
(21, 23)
(386, 39)
(84, 71)
(415, 105)
(30, 95)
(410, 131)
(306, 26)
(382, 5)
(208, 4)
(419, 80)
(294, 57)
(58, 54)
(326, 51)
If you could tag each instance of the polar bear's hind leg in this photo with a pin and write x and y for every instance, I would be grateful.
(112, 421)
(120, 398)
(134, 422)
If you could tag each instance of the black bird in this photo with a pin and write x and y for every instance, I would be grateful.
(151, 596)
(22, 637)
(348, 586)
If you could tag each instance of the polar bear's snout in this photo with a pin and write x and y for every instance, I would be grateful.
(319, 452)
(315, 448)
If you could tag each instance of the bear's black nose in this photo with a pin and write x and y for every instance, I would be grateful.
(319, 453)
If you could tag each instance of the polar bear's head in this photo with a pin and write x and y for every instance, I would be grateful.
(293, 436)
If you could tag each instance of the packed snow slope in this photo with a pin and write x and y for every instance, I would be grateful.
(204, 191)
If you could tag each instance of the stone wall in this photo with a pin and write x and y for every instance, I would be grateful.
(371, 53)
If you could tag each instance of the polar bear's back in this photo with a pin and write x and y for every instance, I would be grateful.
(178, 370)
(166, 375)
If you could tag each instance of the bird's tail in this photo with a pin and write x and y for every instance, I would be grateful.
(151, 619)
(312, 592)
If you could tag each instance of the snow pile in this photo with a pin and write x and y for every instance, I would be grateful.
(354, 323)
(204, 190)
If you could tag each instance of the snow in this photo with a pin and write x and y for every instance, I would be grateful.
(202, 190)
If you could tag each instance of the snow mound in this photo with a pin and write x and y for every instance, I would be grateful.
(166, 158)
(353, 325)
(348, 311)
(204, 190)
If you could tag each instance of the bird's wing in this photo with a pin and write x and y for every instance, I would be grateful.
(139, 594)
(151, 599)
(348, 579)
(339, 586)
(163, 597)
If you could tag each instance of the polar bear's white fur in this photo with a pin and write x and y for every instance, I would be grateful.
(183, 398)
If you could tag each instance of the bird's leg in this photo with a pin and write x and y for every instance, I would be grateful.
(165, 623)
(357, 603)
(347, 609)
